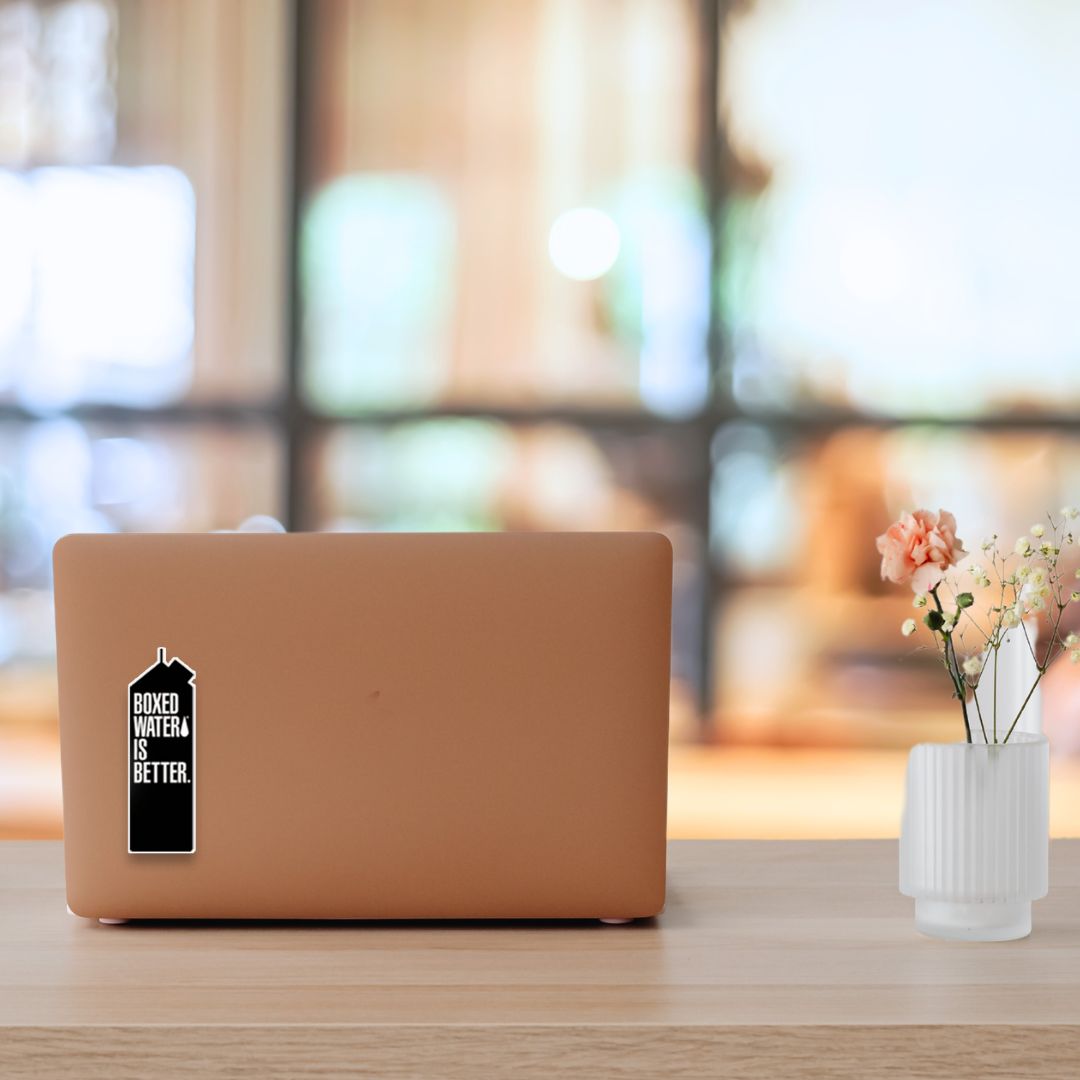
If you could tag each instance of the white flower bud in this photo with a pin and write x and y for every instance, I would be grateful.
(973, 665)
(907, 627)
(1037, 531)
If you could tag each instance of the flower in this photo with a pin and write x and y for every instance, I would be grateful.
(919, 548)
(1071, 639)
(907, 627)
(921, 600)
(1034, 601)
(973, 665)
(988, 543)
(1023, 546)
(1075, 657)
(1011, 618)
(1037, 531)
(1070, 512)
(1073, 597)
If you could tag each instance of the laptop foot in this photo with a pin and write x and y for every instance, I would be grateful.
(112, 922)
(616, 922)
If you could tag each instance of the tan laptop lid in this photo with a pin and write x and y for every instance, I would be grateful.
(364, 726)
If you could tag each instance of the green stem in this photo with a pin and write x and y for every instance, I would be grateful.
(978, 709)
(1047, 660)
(953, 668)
(995, 690)
(961, 690)
(1016, 721)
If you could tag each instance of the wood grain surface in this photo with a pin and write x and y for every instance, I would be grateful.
(773, 958)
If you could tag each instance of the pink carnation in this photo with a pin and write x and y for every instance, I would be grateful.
(919, 548)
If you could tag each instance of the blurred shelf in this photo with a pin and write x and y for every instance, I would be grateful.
(767, 793)
(715, 792)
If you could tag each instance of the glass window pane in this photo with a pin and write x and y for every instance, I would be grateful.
(142, 200)
(478, 474)
(888, 249)
(59, 476)
(504, 208)
(807, 641)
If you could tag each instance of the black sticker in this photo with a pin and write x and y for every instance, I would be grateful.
(161, 759)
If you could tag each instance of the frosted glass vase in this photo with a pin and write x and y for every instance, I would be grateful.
(974, 841)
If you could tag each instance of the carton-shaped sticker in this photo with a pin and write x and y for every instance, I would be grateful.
(161, 759)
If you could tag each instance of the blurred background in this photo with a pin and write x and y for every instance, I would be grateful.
(755, 274)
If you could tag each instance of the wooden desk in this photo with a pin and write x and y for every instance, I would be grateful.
(794, 959)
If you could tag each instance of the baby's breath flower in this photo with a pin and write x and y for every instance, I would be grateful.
(1023, 546)
(1023, 573)
(921, 600)
(988, 543)
(1070, 512)
(1046, 548)
(1037, 531)
(1071, 639)
(1034, 595)
(907, 627)
(973, 665)
(1010, 619)
(1074, 656)
(1074, 596)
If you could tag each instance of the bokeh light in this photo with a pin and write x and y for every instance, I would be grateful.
(583, 243)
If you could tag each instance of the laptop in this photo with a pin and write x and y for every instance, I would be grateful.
(364, 726)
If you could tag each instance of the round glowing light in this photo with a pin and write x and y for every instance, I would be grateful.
(583, 243)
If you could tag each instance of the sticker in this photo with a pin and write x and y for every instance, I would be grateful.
(161, 759)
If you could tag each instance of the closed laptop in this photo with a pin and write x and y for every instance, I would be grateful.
(364, 726)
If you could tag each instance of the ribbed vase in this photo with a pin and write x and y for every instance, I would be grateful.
(974, 840)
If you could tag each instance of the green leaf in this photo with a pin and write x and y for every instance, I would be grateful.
(965, 599)
(934, 619)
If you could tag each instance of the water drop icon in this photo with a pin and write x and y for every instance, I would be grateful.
(184, 731)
